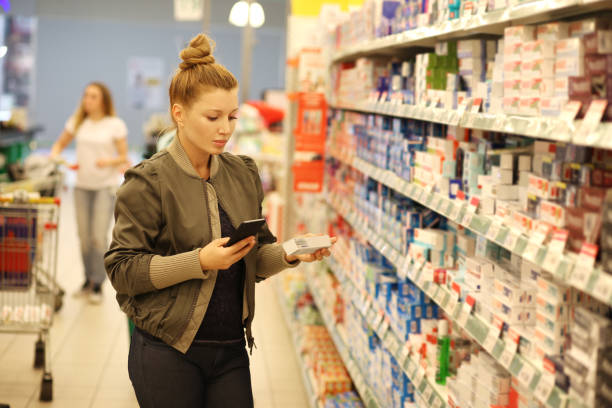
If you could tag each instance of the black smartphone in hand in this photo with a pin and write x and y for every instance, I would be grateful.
(246, 229)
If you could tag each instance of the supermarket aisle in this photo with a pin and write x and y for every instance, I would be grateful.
(89, 346)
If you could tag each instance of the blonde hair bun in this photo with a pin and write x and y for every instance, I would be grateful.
(198, 52)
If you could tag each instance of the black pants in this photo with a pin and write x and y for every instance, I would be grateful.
(210, 376)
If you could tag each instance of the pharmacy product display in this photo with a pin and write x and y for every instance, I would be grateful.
(534, 71)
(468, 181)
(326, 377)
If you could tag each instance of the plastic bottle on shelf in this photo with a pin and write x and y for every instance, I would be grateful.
(443, 352)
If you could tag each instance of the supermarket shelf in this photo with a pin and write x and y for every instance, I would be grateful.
(549, 128)
(492, 22)
(291, 324)
(594, 282)
(487, 336)
(367, 394)
(434, 394)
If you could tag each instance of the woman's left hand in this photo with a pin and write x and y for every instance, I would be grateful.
(315, 256)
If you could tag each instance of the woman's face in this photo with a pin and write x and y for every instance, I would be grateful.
(92, 100)
(209, 122)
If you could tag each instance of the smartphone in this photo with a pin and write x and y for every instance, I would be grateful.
(246, 229)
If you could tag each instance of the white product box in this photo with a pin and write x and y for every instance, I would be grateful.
(512, 87)
(552, 213)
(524, 163)
(513, 51)
(519, 33)
(511, 105)
(306, 245)
(538, 49)
(487, 206)
(569, 66)
(551, 309)
(537, 87)
(506, 192)
(466, 244)
(512, 69)
(552, 328)
(529, 106)
(552, 31)
(513, 315)
(512, 293)
(432, 238)
(506, 161)
(552, 106)
(523, 180)
(538, 68)
(570, 47)
(501, 176)
(554, 291)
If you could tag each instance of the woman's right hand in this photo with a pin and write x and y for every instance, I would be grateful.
(216, 256)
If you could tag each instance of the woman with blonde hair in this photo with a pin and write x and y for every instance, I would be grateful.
(191, 298)
(101, 151)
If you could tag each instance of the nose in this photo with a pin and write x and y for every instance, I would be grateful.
(225, 129)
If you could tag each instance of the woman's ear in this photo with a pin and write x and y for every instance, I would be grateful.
(178, 114)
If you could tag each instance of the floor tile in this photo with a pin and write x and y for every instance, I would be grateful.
(14, 402)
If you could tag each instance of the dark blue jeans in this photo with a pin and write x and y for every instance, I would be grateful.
(210, 376)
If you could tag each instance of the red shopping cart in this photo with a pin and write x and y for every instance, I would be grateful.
(28, 263)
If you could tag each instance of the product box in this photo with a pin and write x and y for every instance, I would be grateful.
(538, 49)
(519, 33)
(552, 31)
(538, 68)
(569, 66)
(529, 106)
(512, 69)
(598, 65)
(550, 309)
(512, 87)
(537, 87)
(552, 106)
(586, 26)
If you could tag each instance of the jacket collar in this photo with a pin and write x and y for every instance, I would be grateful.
(177, 152)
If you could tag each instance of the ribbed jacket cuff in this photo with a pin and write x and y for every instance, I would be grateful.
(166, 271)
(271, 260)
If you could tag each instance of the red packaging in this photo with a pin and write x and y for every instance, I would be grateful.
(590, 44)
(592, 198)
(579, 87)
(601, 178)
(598, 64)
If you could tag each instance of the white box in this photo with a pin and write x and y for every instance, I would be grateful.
(306, 245)
(501, 176)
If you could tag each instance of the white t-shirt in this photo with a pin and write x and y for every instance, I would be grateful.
(95, 139)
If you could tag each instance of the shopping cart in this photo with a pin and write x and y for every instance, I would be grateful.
(28, 261)
(43, 176)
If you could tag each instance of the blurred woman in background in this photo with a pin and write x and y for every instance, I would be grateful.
(101, 152)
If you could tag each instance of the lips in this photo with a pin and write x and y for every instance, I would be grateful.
(220, 143)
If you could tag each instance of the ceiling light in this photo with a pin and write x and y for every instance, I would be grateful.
(243, 13)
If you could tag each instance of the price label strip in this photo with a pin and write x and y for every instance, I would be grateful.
(508, 354)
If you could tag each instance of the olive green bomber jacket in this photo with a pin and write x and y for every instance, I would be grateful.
(165, 213)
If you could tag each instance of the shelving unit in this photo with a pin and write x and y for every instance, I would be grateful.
(488, 337)
(561, 266)
(291, 324)
(429, 390)
(492, 22)
(367, 394)
(549, 128)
